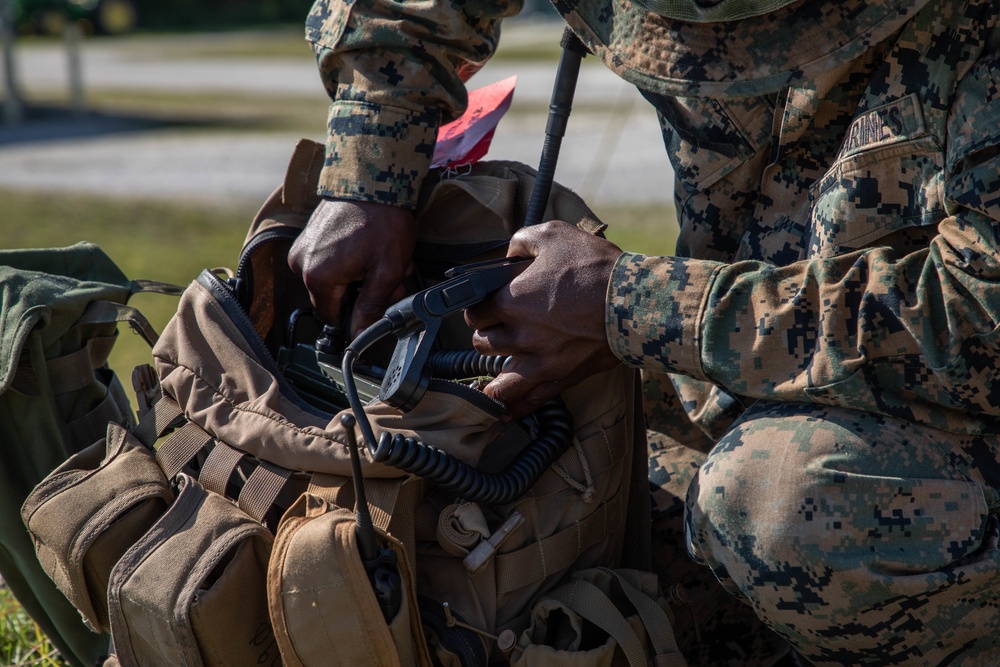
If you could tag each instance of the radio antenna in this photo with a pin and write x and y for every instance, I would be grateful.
(555, 129)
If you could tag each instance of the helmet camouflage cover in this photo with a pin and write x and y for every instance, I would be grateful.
(732, 48)
(711, 12)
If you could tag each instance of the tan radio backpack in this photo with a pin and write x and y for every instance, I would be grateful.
(221, 529)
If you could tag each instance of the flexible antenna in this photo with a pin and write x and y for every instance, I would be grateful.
(367, 542)
(379, 562)
(555, 129)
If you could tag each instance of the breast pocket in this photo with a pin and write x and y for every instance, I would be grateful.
(706, 139)
(871, 194)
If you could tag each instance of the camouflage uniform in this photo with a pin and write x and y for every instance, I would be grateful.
(834, 291)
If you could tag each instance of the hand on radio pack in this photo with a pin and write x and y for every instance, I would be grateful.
(351, 241)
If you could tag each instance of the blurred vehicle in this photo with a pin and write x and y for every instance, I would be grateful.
(49, 17)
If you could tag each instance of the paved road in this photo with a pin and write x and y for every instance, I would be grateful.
(613, 153)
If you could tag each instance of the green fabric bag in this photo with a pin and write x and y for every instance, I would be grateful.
(59, 310)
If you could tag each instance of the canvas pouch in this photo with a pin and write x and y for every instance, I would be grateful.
(192, 590)
(315, 574)
(85, 515)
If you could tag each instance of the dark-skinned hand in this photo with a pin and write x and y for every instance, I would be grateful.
(550, 318)
(351, 241)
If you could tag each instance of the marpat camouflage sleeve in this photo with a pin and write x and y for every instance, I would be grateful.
(909, 335)
(395, 71)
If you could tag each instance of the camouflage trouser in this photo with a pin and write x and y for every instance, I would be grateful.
(861, 539)
(713, 629)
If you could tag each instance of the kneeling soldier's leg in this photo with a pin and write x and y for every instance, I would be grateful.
(862, 539)
(712, 628)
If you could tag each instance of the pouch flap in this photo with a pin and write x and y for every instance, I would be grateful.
(91, 509)
(211, 360)
(192, 590)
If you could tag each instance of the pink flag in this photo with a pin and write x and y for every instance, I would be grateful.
(466, 139)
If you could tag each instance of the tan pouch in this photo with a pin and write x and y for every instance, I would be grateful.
(192, 590)
(600, 618)
(321, 601)
(84, 515)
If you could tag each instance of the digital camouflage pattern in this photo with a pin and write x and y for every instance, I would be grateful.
(734, 59)
(847, 255)
(833, 290)
(708, 12)
(863, 539)
(395, 72)
(711, 628)
(851, 259)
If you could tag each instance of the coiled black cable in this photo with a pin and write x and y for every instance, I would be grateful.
(555, 427)
(454, 364)
(555, 435)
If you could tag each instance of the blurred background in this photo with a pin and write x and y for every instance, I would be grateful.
(156, 128)
(143, 98)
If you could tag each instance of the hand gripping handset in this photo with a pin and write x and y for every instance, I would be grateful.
(416, 321)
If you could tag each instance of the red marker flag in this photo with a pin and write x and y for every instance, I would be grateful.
(466, 139)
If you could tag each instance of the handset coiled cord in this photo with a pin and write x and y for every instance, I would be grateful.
(456, 364)
(554, 427)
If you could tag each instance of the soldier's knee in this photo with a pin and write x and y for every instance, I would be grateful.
(835, 525)
(798, 501)
(742, 503)
(769, 503)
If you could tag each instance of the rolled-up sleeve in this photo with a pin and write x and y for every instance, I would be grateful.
(911, 335)
(395, 71)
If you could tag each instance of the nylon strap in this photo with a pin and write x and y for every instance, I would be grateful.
(157, 287)
(155, 422)
(590, 602)
(258, 493)
(556, 552)
(382, 495)
(392, 502)
(460, 527)
(181, 447)
(335, 489)
(105, 312)
(219, 467)
(656, 622)
(262, 489)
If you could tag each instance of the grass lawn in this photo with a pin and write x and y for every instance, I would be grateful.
(21, 641)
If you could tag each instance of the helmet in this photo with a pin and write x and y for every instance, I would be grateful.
(710, 11)
(730, 48)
